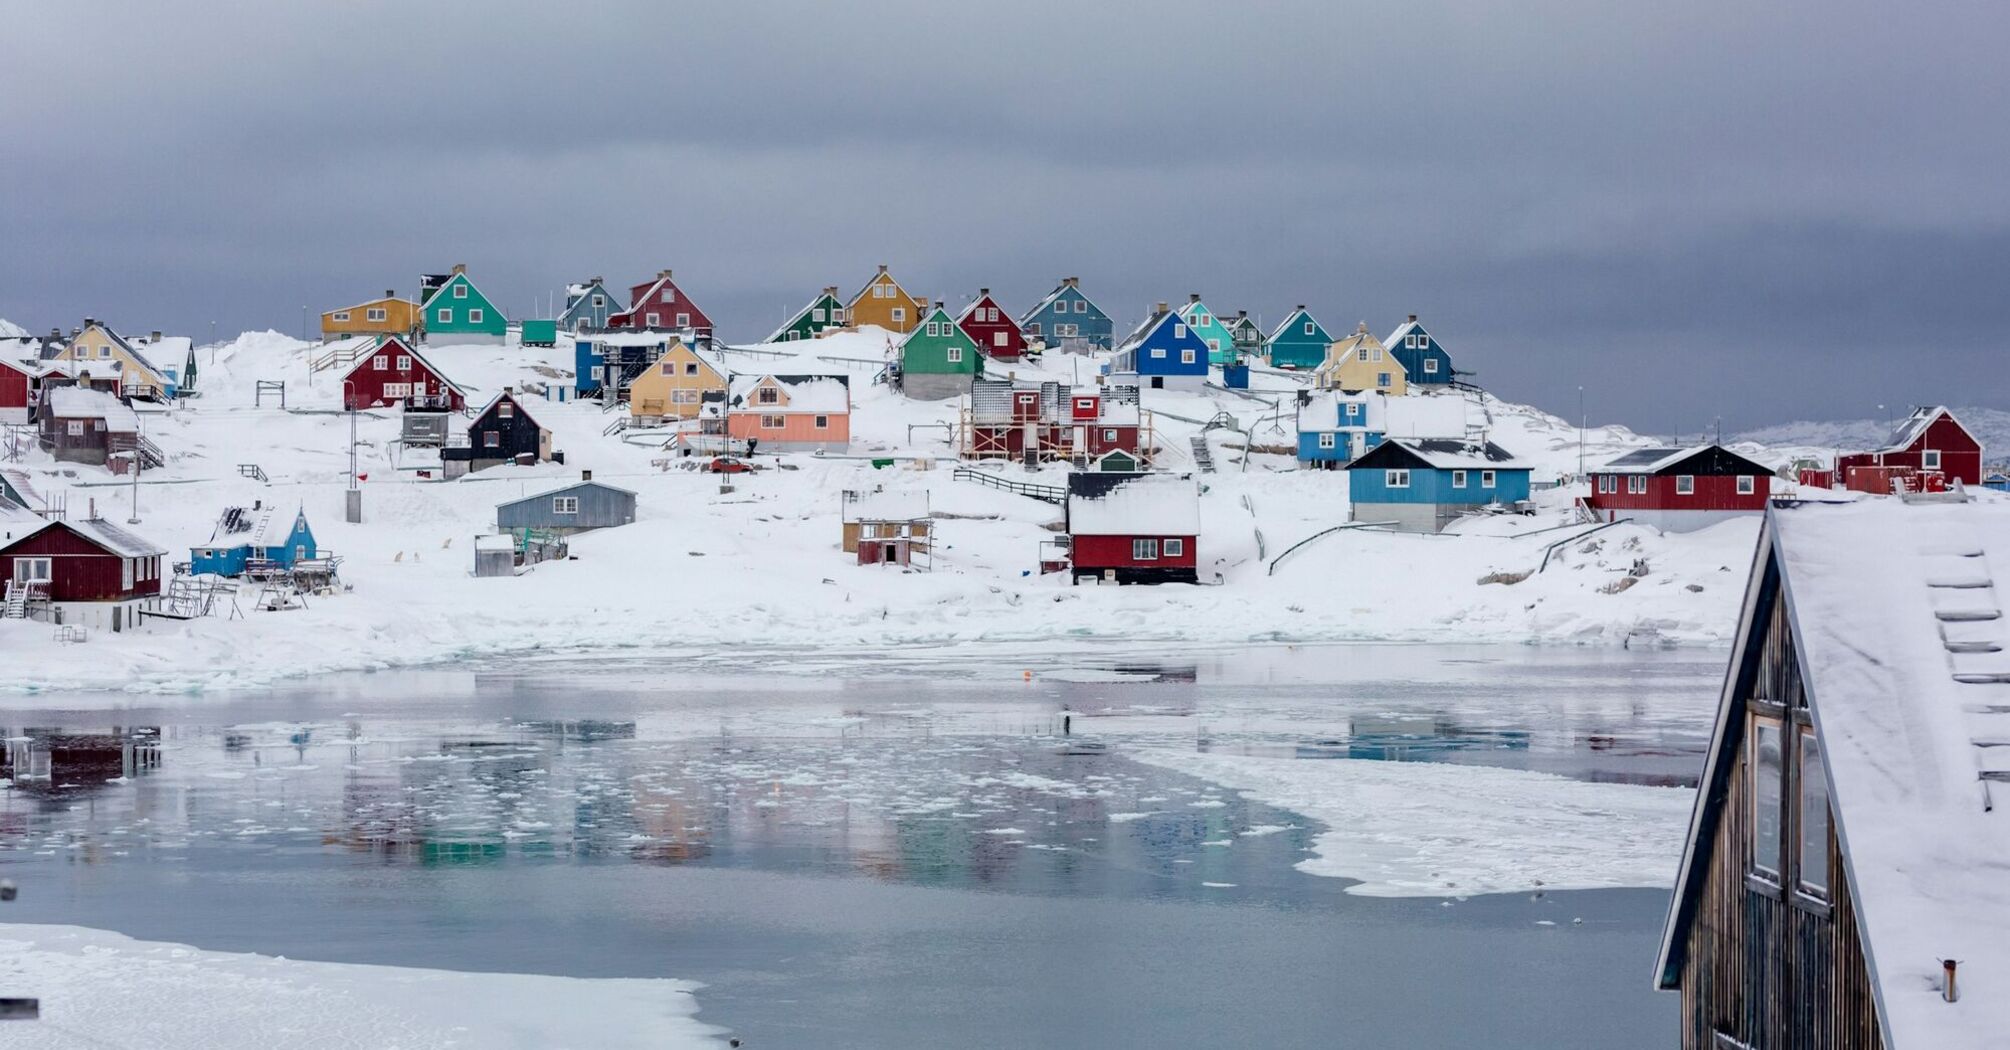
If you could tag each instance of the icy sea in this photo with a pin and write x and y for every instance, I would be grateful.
(949, 849)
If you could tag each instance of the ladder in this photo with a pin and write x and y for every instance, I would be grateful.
(1203, 457)
(17, 603)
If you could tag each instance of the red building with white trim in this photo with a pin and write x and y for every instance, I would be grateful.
(992, 328)
(89, 573)
(658, 305)
(20, 390)
(396, 374)
(1133, 528)
(1003, 419)
(1930, 441)
(1680, 489)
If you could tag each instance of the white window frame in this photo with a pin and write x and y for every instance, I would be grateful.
(444, 315)
(1636, 484)
(1608, 483)
(683, 320)
(1929, 459)
(1396, 478)
(998, 339)
(461, 291)
(341, 316)
(1326, 441)
(1818, 802)
(565, 504)
(1747, 485)
(669, 296)
(1144, 550)
(653, 320)
(1173, 547)
(900, 315)
(474, 315)
(1384, 379)
(1488, 478)
(954, 355)
(1186, 357)
(376, 313)
(25, 570)
(1759, 726)
(1431, 365)
(76, 428)
(1159, 352)
(1310, 328)
(1685, 484)
(404, 363)
(506, 410)
(599, 302)
(1458, 479)
(1081, 306)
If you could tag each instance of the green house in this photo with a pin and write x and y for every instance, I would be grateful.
(456, 311)
(1203, 323)
(824, 311)
(938, 359)
(1248, 337)
(1300, 342)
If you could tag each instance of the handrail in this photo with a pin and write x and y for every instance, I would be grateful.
(1272, 571)
(1045, 493)
(1551, 549)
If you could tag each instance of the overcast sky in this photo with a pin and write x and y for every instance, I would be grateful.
(1760, 211)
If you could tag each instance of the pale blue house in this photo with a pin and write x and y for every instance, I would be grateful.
(1424, 484)
(1067, 320)
(255, 539)
(587, 307)
(1334, 428)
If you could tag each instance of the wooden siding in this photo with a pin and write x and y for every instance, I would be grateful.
(868, 309)
(82, 571)
(401, 318)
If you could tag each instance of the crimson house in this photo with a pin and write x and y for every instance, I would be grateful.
(1680, 489)
(1133, 528)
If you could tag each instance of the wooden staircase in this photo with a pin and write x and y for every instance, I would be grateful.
(1203, 457)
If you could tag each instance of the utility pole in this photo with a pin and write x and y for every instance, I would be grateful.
(1582, 419)
(352, 507)
(134, 464)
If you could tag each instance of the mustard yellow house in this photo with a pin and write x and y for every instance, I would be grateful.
(675, 386)
(102, 352)
(885, 303)
(390, 315)
(1361, 362)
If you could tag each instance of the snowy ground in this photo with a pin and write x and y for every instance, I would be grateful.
(761, 565)
(104, 989)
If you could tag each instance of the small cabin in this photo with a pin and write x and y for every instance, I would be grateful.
(1133, 528)
(887, 528)
(1680, 489)
(87, 573)
(20, 391)
(582, 506)
(495, 555)
(82, 425)
(1424, 484)
(1930, 442)
(504, 432)
(1843, 879)
(255, 540)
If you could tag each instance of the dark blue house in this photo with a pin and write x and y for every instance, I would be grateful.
(1424, 361)
(1423, 484)
(254, 539)
(587, 306)
(1067, 320)
(1164, 353)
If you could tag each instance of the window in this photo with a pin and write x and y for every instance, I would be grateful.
(655, 320)
(817, 314)
(1431, 365)
(506, 410)
(377, 313)
(1383, 379)
(1325, 441)
(342, 315)
(1363, 354)
(1159, 352)
(460, 291)
(837, 315)
(955, 355)
(1814, 786)
(686, 396)
(1310, 328)
(690, 368)
(1175, 547)
(1396, 479)
(1067, 330)
(397, 389)
(1081, 306)
(1765, 763)
(565, 504)
(491, 439)
(823, 422)
(668, 369)
(899, 315)
(669, 295)
(1747, 484)
(599, 301)
(475, 315)
(880, 291)
(404, 363)
(998, 339)
(1214, 346)
(1458, 479)
(444, 315)
(104, 351)
(27, 569)
(1034, 329)
(1636, 484)
(768, 396)
(933, 328)
(1353, 411)
(125, 574)
(1608, 482)
(1186, 357)
(1144, 550)
(1179, 331)
(1685, 484)
(1930, 459)
(1378, 353)
(1109, 436)
(1487, 479)
(683, 320)
(76, 428)
(773, 422)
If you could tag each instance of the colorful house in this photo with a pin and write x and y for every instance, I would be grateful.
(1359, 362)
(1335, 427)
(793, 413)
(659, 305)
(1051, 422)
(821, 314)
(20, 391)
(604, 363)
(1930, 441)
(397, 374)
(1163, 353)
(675, 385)
(1424, 484)
(1842, 879)
(588, 305)
(1067, 320)
(885, 303)
(87, 573)
(389, 315)
(991, 328)
(503, 432)
(1202, 322)
(82, 425)
(1133, 528)
(938, 359)
(1245, 336)
(456, 311)
(1425, 363)
(255, 540)
(101, 351)
(1300, 342)
(1680, 489)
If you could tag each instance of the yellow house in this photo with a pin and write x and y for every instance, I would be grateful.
(387, 316)
(675, 385)
(100, 350)
(885, 303)
(1360, 362)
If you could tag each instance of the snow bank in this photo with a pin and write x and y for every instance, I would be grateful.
(1426, 829)
(104, 989)
(10, 330)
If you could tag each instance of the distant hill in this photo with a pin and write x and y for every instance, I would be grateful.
(1990, 425)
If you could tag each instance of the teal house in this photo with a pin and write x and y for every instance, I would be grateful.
(824, 311)
(456, 311)
(1300, 342)
(1067, 320)
(1202, 322)
(938, 359)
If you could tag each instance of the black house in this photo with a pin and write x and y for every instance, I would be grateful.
(501, 433)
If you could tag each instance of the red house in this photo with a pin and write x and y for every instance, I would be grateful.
(1930, 442)
(991, 328)
(658, 305)
(20, 389)
(1004, 420)
(1680, 489)
(89, 573)
(1133, 528)
(396, 374)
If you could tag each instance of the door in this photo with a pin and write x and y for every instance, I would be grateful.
(889, 553)
(1078, 439)
(116, 610)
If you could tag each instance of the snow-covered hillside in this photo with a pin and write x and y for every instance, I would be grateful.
(761, 565)
(1991, 426)
(10, 330)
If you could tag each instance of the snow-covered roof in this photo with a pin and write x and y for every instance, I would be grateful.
(1322, 411)
(105, 534)
(563, 489)
(76, 402)
(1138, 505)
(1048, 299)
(1655, 460)
(515, 400)
(1396, 337)
(1915, 424)
(825, 395)
(1455, 454)
(627, 338)
(886, 506)
(173, 348)
(1291, 322)
(1908, 677)
(495, 542)
(1145, 328)
(363, 362)
(1428, 416)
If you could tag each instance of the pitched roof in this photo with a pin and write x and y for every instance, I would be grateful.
(874, 279)
(131, 350)
(1448, 454)
(515, 400)
(103, 533)
(562, 490)
(1293, 322)
(823, 394)
(1402, 330)
(1145, 328)
(444, 285)
(413, 353)
(776, 335)
(18, 482)
(1133, 504)
(1655, 460)
(76, 402)
(367, 303)
(1914, 425)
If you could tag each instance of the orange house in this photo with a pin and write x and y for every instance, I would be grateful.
(387, 316)
(790, 413)
(885, 303)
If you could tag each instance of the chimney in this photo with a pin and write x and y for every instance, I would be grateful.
(89, 321)
(1162, 306)
(390, 293)
(882, 267)
(586, 475)
(94, 509)
(982, 292)
(938, 304)
(460, 267)
(508, 390)
(663, 275)
(1413, 318)
(1301, 307)
(597, 280)
(1242, 315)
(1193, 297)
(156, 337)
(1361, 329)
(831, 291)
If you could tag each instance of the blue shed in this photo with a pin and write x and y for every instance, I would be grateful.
(255, 538)
(1067, 320)
(1336, 428)
(1423, 484)
(1164, 353)
(1424, 361)
(587, 306)
(583, 505)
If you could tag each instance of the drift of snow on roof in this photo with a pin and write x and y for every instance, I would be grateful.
(105, 534)
(1454, 454)
(1908, 432)
(825, 395)
(10, 330)
(1910, 690)
(886, 506)
(1146, 505)
(75, 402)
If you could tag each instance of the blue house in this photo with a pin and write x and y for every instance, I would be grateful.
(613, 359)
(1424, 361)
(255, 538)
(1424, 484)
(1335, 428)
(1164, 353)
(1067, 320)
(587, 306)
(1300, 342)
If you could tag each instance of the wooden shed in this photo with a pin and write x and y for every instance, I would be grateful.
(887, 528)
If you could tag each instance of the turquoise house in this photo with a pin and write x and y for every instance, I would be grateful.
(1424, 484)
(1424, 362)
(1300, 342)
(1067, 320)
(254, 538)
(456, 311)
(1203, 322)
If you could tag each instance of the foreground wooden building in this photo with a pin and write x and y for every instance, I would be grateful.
(1845, 842)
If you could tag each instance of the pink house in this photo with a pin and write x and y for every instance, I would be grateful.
(790, 413)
